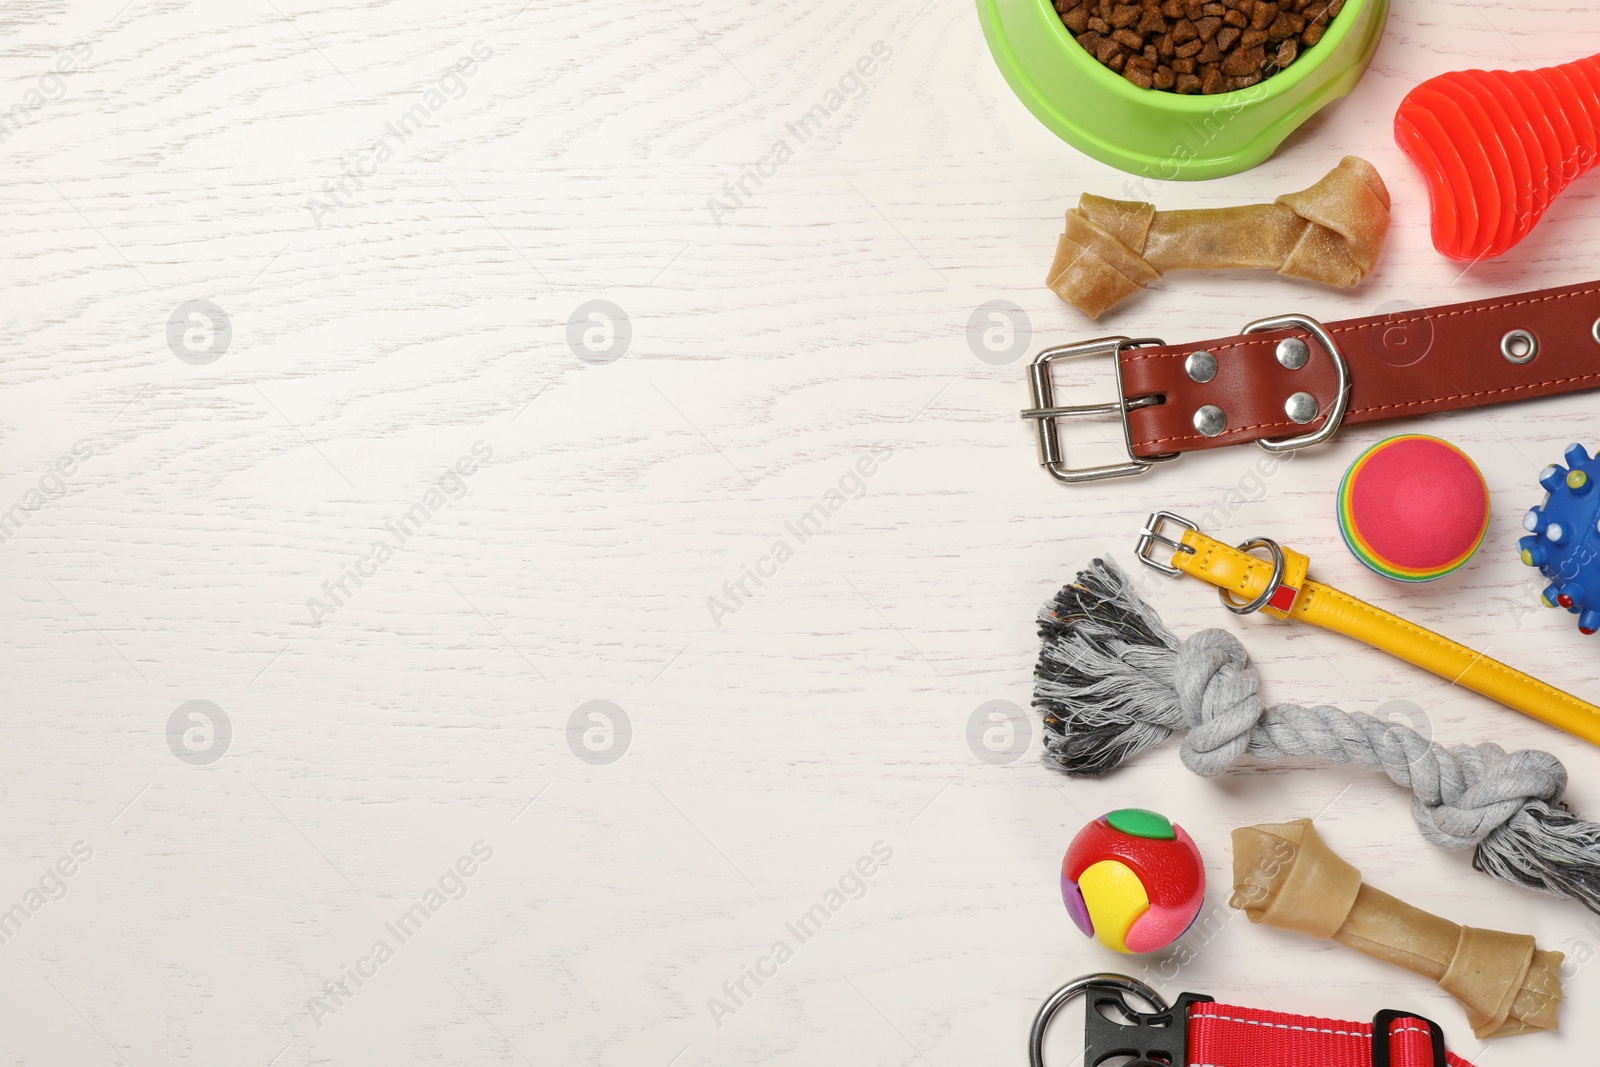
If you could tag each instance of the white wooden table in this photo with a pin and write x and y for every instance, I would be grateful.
(398, 524)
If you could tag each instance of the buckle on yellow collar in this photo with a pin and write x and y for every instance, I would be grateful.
(1277, 595)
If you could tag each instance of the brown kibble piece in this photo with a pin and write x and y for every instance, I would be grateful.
(1165, 48)
(1152, 21)
(1252, 38)
(1172, 9)
(1312, 34)
(1226, 37)
(1165, 78)
(1099, 25)
(1286, 54)
(1139, 76)
(1207, 27)
(1285, 26)
(1183, 31)
(1116, 62)
(1209, 54)
(1213, 9)
(1263, 15)
(1124, 16)
(1187, 51)
(1236, 19)
(1183, 65)
(1188, 84)
(1212, 81)
(1129, 40)
(1077, 20)
(1244, 61)
(1244, 82)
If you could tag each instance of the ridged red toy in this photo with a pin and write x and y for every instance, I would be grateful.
(1496, 147)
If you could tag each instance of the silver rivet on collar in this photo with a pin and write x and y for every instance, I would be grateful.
(1519, 346)
(1201, 366)
(1293, 353)
(1210, 420)
(1301, 408)
(1594, 331)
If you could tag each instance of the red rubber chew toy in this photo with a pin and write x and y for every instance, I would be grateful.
(1496, 147)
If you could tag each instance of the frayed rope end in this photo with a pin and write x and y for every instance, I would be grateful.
(1103, 683)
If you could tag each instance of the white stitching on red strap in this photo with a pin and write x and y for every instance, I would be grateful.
(1311, 1029)
(1285, 1026)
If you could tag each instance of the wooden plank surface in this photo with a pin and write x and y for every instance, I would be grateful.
(483, 597)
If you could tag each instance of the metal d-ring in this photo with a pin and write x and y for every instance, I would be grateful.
(1341, 387)
(1272, 584)
(1120, 982)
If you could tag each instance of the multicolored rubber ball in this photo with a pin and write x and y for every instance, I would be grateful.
(1133, 880)
(1413, 508)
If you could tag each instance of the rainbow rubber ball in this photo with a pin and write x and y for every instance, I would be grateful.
(1133, 880)
(1413, 508)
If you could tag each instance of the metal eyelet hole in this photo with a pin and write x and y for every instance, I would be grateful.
(1200, 366)
(1519, 346)
(1210, 420)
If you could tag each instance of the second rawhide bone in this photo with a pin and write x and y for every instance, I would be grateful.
(1285, 875)
(1329, 233)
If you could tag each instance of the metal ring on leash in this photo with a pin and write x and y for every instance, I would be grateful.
(1272, 584)
(1060, 997)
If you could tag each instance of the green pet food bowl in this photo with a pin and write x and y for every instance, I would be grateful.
(1161, 135)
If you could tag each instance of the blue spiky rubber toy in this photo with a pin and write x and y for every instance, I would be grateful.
(1563, 537)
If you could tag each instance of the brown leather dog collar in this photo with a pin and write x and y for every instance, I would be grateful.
(1289, 381)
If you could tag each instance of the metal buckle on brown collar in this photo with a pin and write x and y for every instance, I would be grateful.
(1045, 411)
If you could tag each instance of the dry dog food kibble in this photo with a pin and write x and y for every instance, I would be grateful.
(1197, 46)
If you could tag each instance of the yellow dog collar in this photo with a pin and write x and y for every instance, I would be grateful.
(1279, 587)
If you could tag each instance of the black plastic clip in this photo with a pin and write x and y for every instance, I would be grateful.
(1155, 1039)
(1380, 1036)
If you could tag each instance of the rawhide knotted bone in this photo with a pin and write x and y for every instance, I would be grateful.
(1329, 233)
(1286, 876)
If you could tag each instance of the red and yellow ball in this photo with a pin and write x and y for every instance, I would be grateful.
(1133, 880)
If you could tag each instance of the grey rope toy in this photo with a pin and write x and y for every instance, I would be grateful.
(1112, 681)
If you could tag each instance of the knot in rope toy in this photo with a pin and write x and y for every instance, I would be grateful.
(1112, 681)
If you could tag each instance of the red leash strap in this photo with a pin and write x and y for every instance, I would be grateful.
(1222, 1035)
(1195, 1031)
